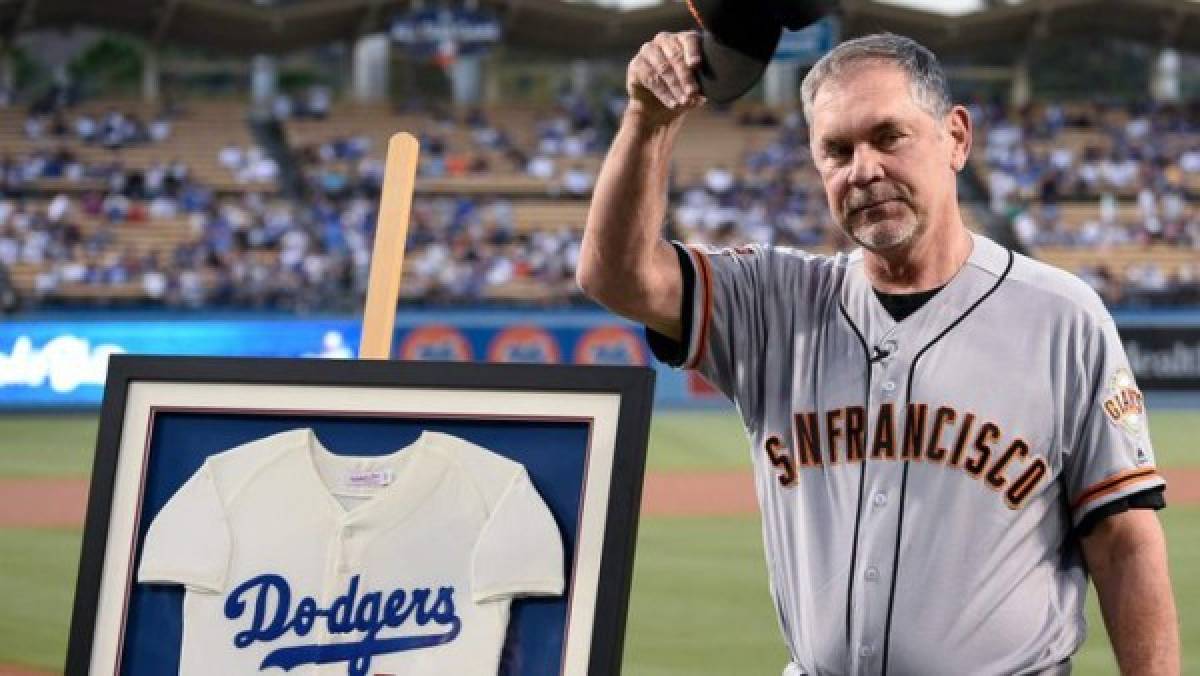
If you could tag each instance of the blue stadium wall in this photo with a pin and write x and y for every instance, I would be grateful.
(57, 362)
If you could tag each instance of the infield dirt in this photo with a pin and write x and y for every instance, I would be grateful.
(61, 503)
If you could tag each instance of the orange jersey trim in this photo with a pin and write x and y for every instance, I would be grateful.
(695, 15)
(1113, 484)
(706, 315)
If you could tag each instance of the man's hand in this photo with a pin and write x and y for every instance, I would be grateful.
(624, 263)
(1127, 558)
(661, 78)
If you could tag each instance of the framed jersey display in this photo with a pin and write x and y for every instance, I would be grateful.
(367, 518)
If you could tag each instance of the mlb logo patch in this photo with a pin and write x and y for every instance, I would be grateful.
(1143, 458)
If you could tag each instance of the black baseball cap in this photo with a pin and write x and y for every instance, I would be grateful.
(740, 37)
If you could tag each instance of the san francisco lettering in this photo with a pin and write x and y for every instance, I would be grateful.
(916, 433)
(268, 598)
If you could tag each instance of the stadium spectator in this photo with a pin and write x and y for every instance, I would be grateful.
(231, 156)
(541, 166)
(34, 127)
(9, 299)
(719, 180)
(577, 181)
(318, 101)
(56, 210)
(281, 106)
(160, 129)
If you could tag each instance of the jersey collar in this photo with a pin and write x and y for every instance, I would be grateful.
(985, 264)
(416, 474)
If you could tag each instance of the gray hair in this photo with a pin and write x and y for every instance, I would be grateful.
(926, 79)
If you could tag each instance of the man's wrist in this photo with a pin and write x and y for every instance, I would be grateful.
(648, 123)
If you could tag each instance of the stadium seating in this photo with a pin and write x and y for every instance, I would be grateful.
(198, 131)
(751, 154)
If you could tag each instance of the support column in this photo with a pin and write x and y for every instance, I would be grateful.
(581, 77)
(466, 77)
(1164, 78)
(8, 69)
(264, 78)
(1022, 85)
(492, 90)
(780, 83)
(150, 76)
(371, 65)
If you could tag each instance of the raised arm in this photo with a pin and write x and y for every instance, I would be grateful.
(624, 263)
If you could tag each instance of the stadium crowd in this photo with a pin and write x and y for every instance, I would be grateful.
(253, 252)
(1064, 176)
(1100, 176)
(114, 129)
(759, 199)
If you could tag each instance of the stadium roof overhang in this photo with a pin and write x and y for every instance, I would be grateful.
(241, 27)
(1165, 23)
(584, 30)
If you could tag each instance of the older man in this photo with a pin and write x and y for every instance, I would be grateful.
(947, 438)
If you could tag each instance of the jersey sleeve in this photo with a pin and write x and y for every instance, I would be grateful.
(520, 551)
(726, 333)
(741, 299)
(188, 542)
(722, 318)
(1111, 457)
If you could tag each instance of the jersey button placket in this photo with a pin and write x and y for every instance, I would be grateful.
(344, 570)
(348, 556)
(878, 521)
(330, 589)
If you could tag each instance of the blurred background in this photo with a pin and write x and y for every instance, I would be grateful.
(201, 176)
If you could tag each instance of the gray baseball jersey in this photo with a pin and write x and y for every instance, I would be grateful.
(919, 480)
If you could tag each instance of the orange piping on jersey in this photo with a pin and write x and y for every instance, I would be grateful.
(1113, 484)
(696, 15)
(706, 315)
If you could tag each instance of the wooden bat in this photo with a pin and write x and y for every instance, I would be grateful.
(387, 255)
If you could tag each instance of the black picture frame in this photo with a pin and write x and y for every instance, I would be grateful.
(613, 403)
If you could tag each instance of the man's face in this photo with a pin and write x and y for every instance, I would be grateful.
(886, 163)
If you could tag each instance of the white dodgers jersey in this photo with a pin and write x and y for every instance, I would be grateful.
(300, 561)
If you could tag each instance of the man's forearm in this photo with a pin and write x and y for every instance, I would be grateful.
(629, 205)
(1135, 596)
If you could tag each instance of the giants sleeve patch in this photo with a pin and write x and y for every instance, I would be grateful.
(1124, 404)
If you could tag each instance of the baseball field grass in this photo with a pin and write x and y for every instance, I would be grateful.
(699, 603)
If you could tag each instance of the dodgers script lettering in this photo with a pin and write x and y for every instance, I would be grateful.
(272, 616)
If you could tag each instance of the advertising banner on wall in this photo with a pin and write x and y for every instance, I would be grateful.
(1163, 357)
(62, 363)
